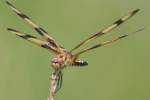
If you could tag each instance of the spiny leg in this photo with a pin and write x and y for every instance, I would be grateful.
(40, 30)
(107, 42)
(107, 29)
(32, 39)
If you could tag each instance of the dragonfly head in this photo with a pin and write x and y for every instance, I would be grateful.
(59, 62)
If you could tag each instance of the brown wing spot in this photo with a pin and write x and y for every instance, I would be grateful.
(51, 42)
(45, 46)
(39, 31)
(42, 30)
(118, 22)
(9, 29)
(27, 36)
(9, 3)
(23, 16)
(123, 36)
(135, 11)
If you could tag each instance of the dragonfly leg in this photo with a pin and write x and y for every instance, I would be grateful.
(56, 81)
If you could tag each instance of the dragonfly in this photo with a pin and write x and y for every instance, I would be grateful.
(63, 57)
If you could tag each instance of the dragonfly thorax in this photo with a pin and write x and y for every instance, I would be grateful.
(61, 61)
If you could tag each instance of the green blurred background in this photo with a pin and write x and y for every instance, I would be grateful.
(119, 71)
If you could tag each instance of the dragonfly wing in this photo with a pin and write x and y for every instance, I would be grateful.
(107, 29)
(36, 27)
(33, 39)
(107, 42)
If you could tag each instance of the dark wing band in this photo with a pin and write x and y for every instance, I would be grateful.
(37, 28)
(32, 39)
(107, 29)
(107, 42)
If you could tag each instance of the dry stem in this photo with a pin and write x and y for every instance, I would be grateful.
(52, 86)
